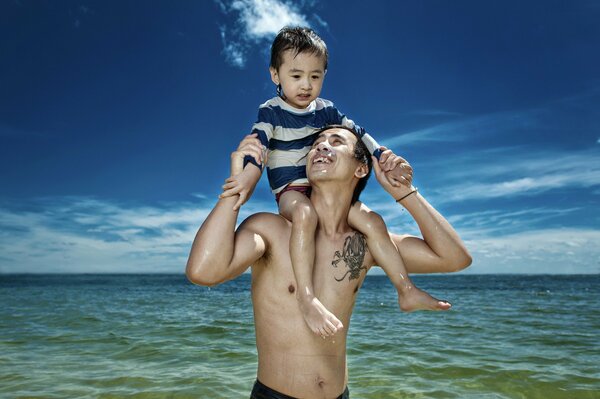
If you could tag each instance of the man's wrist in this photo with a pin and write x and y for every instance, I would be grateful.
(412, 191)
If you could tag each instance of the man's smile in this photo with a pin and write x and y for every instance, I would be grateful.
(321, 159)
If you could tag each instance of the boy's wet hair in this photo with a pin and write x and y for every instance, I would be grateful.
(299, 39)
(361, 154)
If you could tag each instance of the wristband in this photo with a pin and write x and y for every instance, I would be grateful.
(412, 192)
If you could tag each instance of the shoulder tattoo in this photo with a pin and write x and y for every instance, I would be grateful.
(353, 255)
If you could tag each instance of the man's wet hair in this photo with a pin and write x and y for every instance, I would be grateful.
(299, 39)
(361, 154)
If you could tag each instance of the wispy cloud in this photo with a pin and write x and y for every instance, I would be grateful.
(511, 172)
(495, 222)
(561, 250)
(434, 112)
(464, 128)
(75, 234)
(255, 23)
(95, 236)
(79, 13)
(559, 114)
(498, 163)
(503, 241)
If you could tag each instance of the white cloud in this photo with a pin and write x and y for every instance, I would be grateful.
(263, 18)
(562, 113)
(464, 128)
(567, 250)
(234, 52)
(505, 242)
(495, 222)
(94, 236)
(509, 173)
(88, 235)
(255, 23)
(434, 112)
(427, 135)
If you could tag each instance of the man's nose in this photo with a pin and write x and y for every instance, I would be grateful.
(323, 146)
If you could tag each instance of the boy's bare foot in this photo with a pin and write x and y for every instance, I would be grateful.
(320, 320)
(415, 299)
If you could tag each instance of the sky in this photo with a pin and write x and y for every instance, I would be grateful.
(117, 119)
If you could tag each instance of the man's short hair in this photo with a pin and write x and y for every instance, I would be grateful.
(361, 154)
(299, 39)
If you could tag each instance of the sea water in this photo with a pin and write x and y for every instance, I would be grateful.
(158, 336)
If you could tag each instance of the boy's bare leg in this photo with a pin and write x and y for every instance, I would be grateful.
(386, 255)
(297, 208)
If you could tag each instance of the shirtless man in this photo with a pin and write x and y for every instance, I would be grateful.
(292, 361)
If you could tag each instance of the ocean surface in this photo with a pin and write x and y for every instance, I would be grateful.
(158, 336)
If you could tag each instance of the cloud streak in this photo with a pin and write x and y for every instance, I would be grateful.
(73, 234)
(463, 129)
(503, 241)
(560, 250)
(507, 173)
(563, 114)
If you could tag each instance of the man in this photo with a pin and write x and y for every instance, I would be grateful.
(292, 361)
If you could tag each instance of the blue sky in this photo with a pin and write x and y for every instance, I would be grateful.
(117, 119)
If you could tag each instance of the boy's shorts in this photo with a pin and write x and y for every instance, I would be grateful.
(306, 190)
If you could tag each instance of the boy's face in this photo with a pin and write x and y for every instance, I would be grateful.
(300, 76)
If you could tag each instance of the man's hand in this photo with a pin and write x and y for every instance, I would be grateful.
(397, 170)
(397, 185)
(243, 180)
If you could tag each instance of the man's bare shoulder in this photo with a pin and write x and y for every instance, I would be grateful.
(265, 223)
(399, 237)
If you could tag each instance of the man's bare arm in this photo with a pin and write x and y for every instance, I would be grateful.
(440, 250)
(219, 252)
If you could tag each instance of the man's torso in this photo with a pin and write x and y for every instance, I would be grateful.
(292, 359)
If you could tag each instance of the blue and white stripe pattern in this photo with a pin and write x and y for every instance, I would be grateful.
(288, 134)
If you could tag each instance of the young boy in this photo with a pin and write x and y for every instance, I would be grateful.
(286, 126)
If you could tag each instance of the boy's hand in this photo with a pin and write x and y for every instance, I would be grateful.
(243, 180)
(242, 184)
(397, 170)
(252, 146)
(399, 188)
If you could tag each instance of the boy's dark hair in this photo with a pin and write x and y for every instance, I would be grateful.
(361, 154)
(299, 39)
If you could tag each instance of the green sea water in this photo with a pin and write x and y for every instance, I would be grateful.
(158, 336)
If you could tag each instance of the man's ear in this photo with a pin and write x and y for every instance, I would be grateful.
(362, 170)
(274, 75)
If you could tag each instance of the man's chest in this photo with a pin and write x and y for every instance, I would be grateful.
(344, 261)
(338, 265)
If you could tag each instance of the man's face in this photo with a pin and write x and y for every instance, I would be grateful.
(332, 157)
(301, 77)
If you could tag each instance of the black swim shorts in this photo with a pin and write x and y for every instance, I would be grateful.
(261, 391)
